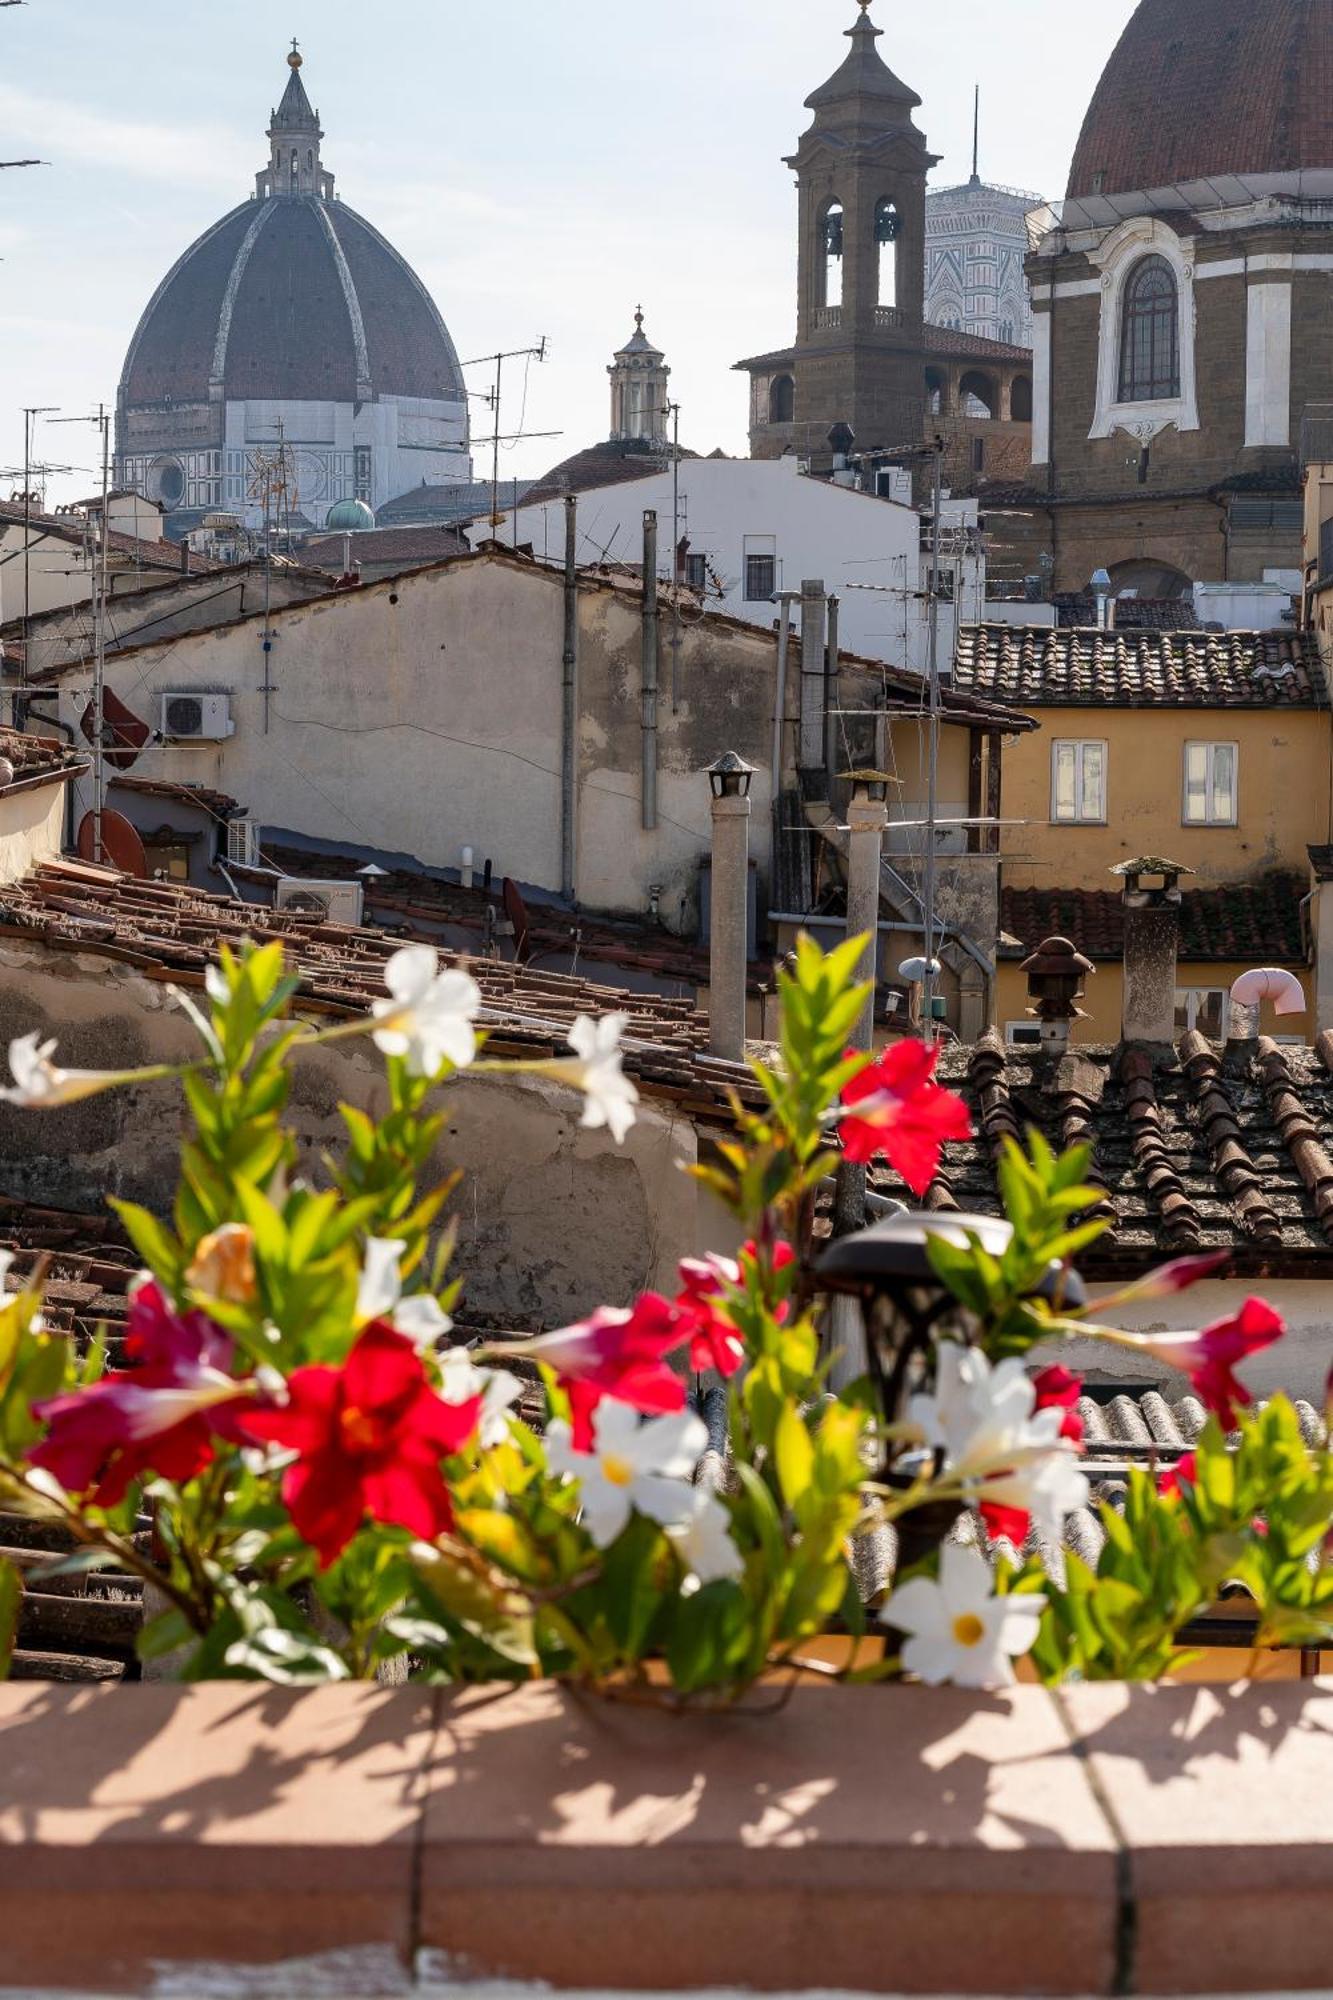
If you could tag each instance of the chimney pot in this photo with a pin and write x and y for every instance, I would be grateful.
(1152, 943)
(1055, 971)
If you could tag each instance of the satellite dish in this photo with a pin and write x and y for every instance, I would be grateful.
(121, 845)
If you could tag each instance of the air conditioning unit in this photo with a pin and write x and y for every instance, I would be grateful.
(330, 902)
(242, 843)
(196, 718)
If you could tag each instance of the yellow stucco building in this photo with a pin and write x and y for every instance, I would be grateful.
(1209, 748)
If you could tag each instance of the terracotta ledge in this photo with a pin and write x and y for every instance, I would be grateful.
(884, 1841)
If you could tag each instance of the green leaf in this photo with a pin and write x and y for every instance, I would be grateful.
(288, 1658)
(164, 1634)
(153, 1241)
(794, 1456)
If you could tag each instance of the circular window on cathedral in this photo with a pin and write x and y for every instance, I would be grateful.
(167, 482)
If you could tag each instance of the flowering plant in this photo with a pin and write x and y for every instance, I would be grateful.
(334, 1484)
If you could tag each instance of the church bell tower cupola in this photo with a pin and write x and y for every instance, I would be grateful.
(861, 170)
(639, 378)
(295, 135)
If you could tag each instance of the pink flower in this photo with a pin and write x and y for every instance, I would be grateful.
(894, 1108)
(1056, 1388)
(616, 1353)
(369, 1438)
(159, 1416)
(1169, 1280)
(703, 1302)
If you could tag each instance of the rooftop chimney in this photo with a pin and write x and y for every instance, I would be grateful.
(1152, 939)
(1056, 971)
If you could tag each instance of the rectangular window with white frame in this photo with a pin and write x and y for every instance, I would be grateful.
(1211, 795)
(1078, 782)
(761, 568)
(1022, 1034)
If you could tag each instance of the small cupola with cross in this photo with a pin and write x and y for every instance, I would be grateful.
(295, 136)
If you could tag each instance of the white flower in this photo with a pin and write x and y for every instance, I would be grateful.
(631, 1465)
(611, 1097)
(429, 1018)
(461, 1379)
(703, 1541)
(216, 985)
(995, 1443)
(420, 1318)
(38, 1084)
(960, 1631)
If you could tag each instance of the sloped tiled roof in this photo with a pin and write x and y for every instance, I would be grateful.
(385, 546)
(170, 931)
(1259, 920)
(130, 550)
(1195, 1148)
(34, 758)
(1132, 614)
(1038, 668)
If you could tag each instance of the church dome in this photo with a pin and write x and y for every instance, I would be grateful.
(292, 298)
(350, 517)
(1201, 88)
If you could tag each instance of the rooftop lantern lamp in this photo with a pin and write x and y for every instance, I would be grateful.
(904, 1305)
(730, 777)
(870, 787)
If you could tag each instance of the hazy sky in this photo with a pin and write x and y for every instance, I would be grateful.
(545, 164)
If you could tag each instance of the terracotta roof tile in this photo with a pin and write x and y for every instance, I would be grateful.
(171, 931)
(1258, 920)
(1195, 1147)
(1034, 667)
(35, 757)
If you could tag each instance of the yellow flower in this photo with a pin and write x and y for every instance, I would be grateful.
(224, 1266)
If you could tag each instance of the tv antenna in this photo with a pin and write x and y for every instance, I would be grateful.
(492, 398)
(102, 419)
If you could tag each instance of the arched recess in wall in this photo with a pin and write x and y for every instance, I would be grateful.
(1020, 399)
(1151, 579)
(888, 231)
(937, 392)
(978, 394)
(830, 259)
(781, 400)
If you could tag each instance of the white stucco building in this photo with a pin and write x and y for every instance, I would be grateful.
(746, 529)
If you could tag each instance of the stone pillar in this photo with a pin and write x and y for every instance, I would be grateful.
(867, 822)
(814, 605)
(1321, 929)
(1152, 939)
(1041, 386)
(1268, 364)
(728, 927)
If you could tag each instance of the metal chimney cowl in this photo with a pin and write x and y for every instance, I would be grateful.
(1152, 947)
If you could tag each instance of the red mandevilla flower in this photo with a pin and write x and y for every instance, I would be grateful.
(1177, 1477)
(158, 1416)
(369, 1437)
(893, 1107)
(616, 1353)
(1057, 1389)
(1212, 1362)
(714, 1341)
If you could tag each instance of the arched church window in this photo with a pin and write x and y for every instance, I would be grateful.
(781, 400)
(1020, 399)
(831, 260)
(1150, 334)
(888, 229)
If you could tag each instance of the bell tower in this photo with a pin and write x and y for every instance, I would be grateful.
(639, 392)
(861, 172)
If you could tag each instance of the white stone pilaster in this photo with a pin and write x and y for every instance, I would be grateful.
(1268, 363)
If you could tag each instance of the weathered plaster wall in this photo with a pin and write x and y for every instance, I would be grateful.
(1104, 996)
(32, 825)
(1283, 795)
(554, 1220)
(1298, 1364)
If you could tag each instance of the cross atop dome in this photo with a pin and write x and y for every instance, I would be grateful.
(295, 59)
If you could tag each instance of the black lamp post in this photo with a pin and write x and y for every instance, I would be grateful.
(904, 1304)
(730, 777)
